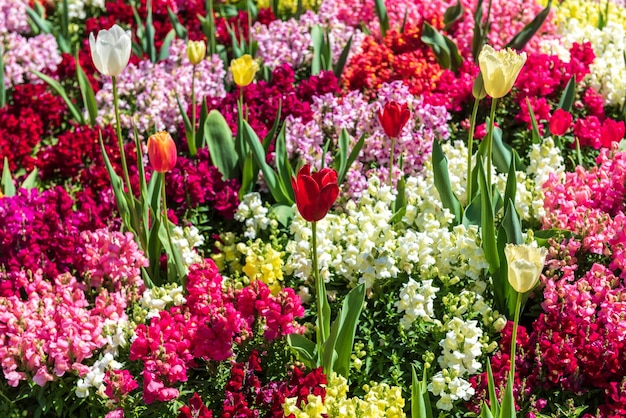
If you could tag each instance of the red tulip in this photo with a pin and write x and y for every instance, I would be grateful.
(162, 152)
(560, 122)
(393, 118)
(315, 193)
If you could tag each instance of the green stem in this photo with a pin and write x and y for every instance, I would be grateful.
(120, 142)
(393, 151)
(212, 43)
(192, 147)
(470, 151)
(321, 330)
(165, 219)
(492, 115)
(518, 306)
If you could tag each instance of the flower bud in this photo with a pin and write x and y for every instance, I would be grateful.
(393, 118)
(244, 69)
(525, 265)
(161, 152)
(478, 89)
(196, 51)
(500, 69)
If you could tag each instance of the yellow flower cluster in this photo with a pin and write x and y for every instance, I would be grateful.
(380, 400)
(588, 12)
(263, 262)
(290, 6)
(227, 257)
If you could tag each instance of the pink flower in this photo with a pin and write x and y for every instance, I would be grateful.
(560, 122)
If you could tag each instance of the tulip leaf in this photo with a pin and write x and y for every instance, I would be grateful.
(442, 182)
(305, 348)
(30, 181)
(165, 47)
(507, 409)
(569, 94)
(487, 222)
(188, 129)
(39, 21)
(285, 172)
(117, 185)
(343, 58)
(58, 88)
(283, 213)
(219, 138)
(452, 14)
(317, 39)
(204, 113)
(155, 249)
(444, 48)
(511, 183)
(277, 189)
(347, 319)
(150, 47)
(520, 40)
(267, 141)
(491, 387)
(87, 93)
(420, 400)
(8, 188)
(502, 153)
(181, 30)
(536, 137)
(383, 17)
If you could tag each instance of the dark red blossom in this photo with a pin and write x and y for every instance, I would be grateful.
(315, 193)
(393, 117)
(560, 122)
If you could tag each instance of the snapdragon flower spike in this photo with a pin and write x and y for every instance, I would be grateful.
(393, 118)
(315, 193)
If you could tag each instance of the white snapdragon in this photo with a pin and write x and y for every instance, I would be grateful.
(95, 376)
(545, 159)
(461, 347)
(253, 214)
(450, 390)
(416, 301)
(187, 239)
(159, 298)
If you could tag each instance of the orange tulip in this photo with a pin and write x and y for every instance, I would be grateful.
(162, 152)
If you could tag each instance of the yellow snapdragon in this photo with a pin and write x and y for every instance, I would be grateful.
(264, 263)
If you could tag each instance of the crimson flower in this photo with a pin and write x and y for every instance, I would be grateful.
(393, 118)
(560, 122)
(315, 193)
(611, 131)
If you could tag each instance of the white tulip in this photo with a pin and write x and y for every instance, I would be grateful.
(111, 50)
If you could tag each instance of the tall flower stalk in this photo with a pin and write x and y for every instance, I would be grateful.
(393, 118)
(196, 50)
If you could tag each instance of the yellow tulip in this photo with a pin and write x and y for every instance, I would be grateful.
(196, 51)
(525, 265)
(244, 69)
(500, 69)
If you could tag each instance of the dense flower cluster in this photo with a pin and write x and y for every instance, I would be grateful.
(22, 55)
(13, 16)
(63, 328)
(206, 327)
(380, 399)
(196, 182)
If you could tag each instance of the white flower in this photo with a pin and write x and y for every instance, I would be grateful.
(110, 51)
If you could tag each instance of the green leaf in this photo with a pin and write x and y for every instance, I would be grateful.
(444, 48)
(353, 154)
(181, 30)
(30, 181)
(536, 137)
(118, 187)
(8, 188)
(493, 400)
(348, 318)
(283, 214)
(512, 224)
(520, 40)
(487, 222)
(87, 93)
(188, 129)
(267, 141)
(56, 86)
(569, 94)
(277, 189)
(452, 14)
(3, 93)
(165, 47)
(219, 138)
(442, 182)
(150, 47)
(317, 39)
(305, 349)
(204, 113)
(41, 23)
(485, 412)
(502, 153)
(383, 17)
(507, 409)
(472, 213)
(285, 172)
(343, 58)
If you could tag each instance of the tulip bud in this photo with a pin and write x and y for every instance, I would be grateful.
(110, 52)
(244, 69)
(560, 121)
(315, 193)
(525, 265)
(393, 118)
(478, 89)
(196, 51)
(161, 152)
(500, 69)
